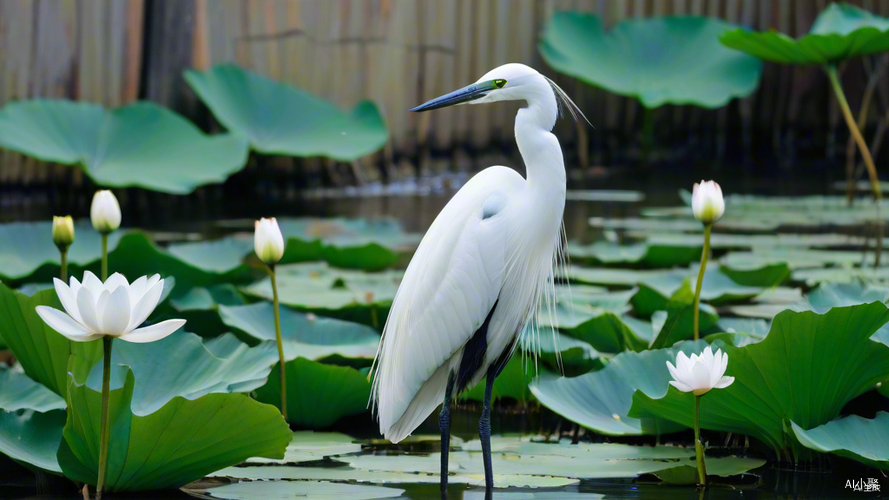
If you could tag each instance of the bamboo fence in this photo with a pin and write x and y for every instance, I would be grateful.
(397, 53)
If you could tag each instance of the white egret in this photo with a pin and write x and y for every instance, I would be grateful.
(479, 272)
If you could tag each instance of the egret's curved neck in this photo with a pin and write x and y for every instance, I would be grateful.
(540, 149)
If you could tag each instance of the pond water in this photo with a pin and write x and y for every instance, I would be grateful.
(416, 210)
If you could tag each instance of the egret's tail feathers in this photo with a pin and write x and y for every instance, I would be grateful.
(424, 403)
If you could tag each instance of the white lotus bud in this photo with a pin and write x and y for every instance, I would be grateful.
(62, 231)
(268, 241)
(707, 202)
(105, 212)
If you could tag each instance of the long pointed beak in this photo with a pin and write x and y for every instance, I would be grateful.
(466, 94)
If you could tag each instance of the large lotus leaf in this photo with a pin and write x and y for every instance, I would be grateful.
(31, 420)
(661, 60)
(177, 443)
(192, 264)
(601, 328)
(199, 307)
(304, 335)
(42, 352)
(858, 438)
(18, 391)
(141, 144)
(601, 400)
(317, 394)
(512, 383)
(558, 351)
(338, 293)
(594, 296)
(805, 370)
(27, 250)
(182, 365)
(368, 244)
(312, 446)
(840, 32)
(644, 254)
(279, 119)
(32, 437)
(829, 295)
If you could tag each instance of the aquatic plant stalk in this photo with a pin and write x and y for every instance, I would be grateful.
(704, 254)
(699, 446)
(104, 256)
(862, 148)
(105, 431)
(63, 272)
(278, 338)
(869, 90)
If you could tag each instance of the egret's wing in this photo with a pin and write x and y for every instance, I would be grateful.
(449, 288)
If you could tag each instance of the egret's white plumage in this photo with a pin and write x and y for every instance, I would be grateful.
(495, 241)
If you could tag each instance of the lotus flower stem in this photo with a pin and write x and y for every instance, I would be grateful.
(704, 253)
(63, 272)
(105, 430)
(278, 338)
(699, 446)
(862, 148)
(104, 256)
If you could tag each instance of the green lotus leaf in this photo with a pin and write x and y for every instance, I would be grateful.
(594, 296)
(184, 365)
(687, 474)
(18, 391)
(858, 438)
(661, 60)
(512, 383)
(559, 352)
(338, 293)
(367, 244)
(304, 335)
(601, 400)
(679, 321)
(312, 446)
(601, 328)
(31, 421)
(840, 32)
(199, 264)
(28, 253)
(199, 307)
(175, 444)
(32, 437)
(272, 490)
(805, 370)
(643, 254)
(279, 119)
(141, 144)
(42, 352)
(334, 392)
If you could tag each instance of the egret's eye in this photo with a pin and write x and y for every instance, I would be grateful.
(499, 83)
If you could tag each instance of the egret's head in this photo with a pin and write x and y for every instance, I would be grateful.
(510, 82)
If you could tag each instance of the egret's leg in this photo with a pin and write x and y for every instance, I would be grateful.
(484, 433)
(444, 423)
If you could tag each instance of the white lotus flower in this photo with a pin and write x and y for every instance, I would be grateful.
(699, 374)
(268, 241)
(105, 212)
(114, 308)
(707, 202)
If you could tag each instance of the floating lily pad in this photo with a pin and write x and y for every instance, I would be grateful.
(273, 490)
(279, 119)
(777, 381)
(42, 352)
(512, 383)
(175, 444)
(559, 351)
(338, 293)
(601, 400)
(660, 60)
(199, 307)
(602, 329)
(644, 254)
(687, 473)
(171, 155)
(594, 296)
(317, 394)
(28, 253)
(304, 335)
(678, 323)
(862, 439)
(311, 446)
(840, 32)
